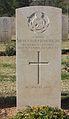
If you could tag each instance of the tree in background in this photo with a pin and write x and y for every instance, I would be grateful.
(22, 3)
(54, 3)
(7, 7)
(47, 2)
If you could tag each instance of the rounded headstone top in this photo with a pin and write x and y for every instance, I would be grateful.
(31, 7)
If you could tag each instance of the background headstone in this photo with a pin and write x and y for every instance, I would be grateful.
(39, 33)
(7, 28)
(13, 28)
(64, 27)
(68, 27)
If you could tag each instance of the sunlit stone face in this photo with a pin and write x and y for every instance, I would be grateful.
(38, 56)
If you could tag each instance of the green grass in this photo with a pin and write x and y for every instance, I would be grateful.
(65, 60)
(7, 78)
(2, 46)
(65, 65)
(64, 76)
(7, 69)
(6, 65)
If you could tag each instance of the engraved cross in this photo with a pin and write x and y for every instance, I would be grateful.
(38, 63)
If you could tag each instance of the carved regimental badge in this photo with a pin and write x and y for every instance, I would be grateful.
(38, 22)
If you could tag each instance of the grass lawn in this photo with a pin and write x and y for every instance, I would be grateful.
(3, 46)
(65, 67)
(7, 75)
(65, 76)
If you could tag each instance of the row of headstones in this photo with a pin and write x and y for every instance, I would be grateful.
(8, 30)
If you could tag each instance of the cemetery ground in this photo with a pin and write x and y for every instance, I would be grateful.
(8, 83)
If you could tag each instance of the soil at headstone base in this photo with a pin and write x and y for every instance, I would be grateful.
(6, 113)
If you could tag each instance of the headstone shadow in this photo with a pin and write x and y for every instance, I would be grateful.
(65, 104)
(7, 102)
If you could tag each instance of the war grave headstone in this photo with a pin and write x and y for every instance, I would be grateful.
(38, 60)
(68, 27)
(64, 27)
(7, 28)
(13, 28)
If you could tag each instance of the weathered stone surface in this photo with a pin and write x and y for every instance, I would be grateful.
(64, 27)
(39, 33)
(7, 28)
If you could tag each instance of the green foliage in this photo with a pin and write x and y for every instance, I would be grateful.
(41, 113)
(22, 3)
(10, 49)
(54, 3)
(7, 7)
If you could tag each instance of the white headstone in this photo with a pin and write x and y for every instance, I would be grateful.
(7, 28)
(13, 28)
(64, 27)
(39, 33)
